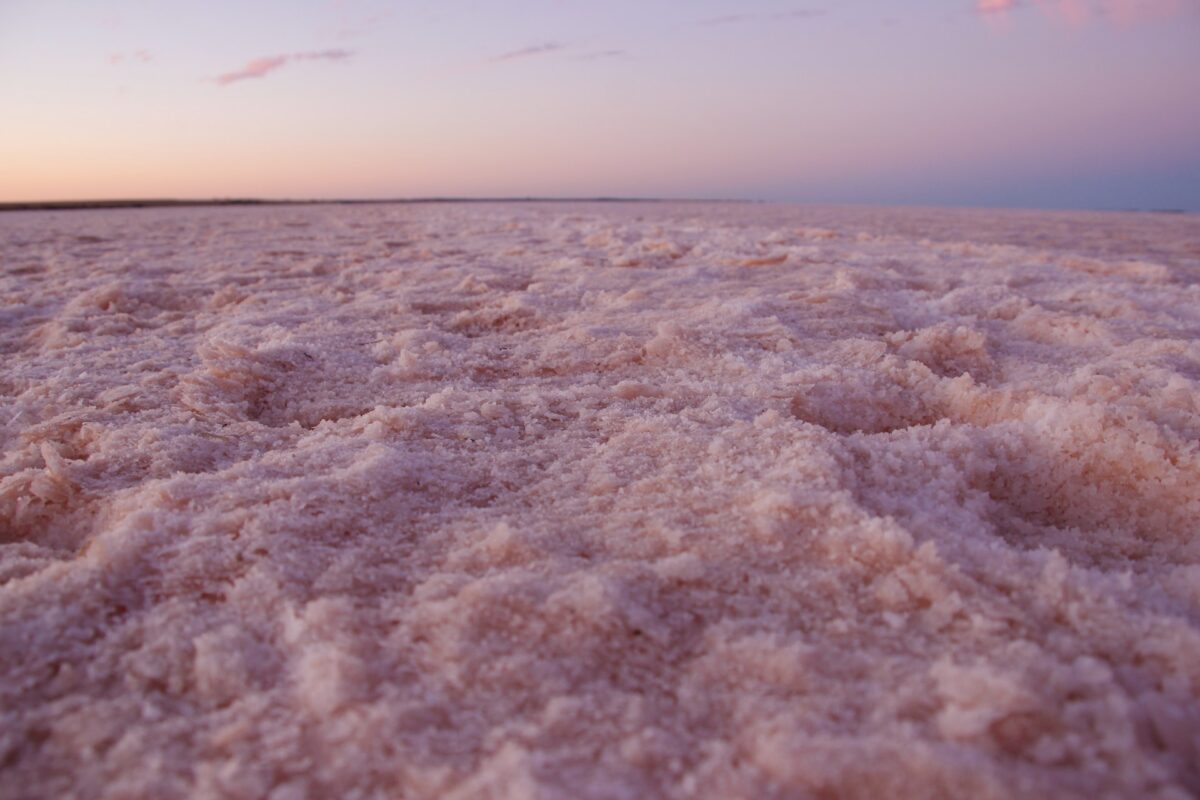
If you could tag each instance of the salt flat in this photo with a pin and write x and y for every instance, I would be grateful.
(599, 501)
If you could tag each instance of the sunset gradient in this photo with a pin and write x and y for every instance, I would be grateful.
(1044, 103)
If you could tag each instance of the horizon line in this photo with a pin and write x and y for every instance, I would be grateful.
(167, 202)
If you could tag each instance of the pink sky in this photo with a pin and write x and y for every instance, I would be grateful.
(1026, 102)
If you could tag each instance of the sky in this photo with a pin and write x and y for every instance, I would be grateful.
(1033, 103)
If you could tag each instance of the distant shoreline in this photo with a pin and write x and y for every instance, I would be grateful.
(97, 205)
(85, 205)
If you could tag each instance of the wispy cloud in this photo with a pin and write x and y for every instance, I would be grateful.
(336, 54)
(528, 52)
(777, 16)
(1080, 12)
(142, 56)
(261, 67)
(258, 68)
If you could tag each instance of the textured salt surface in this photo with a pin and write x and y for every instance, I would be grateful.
(599, 501)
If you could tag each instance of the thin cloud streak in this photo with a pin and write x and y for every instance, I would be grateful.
(258, 68)
(261, 67)
(527, 52)
(336, 54)
(562, 50)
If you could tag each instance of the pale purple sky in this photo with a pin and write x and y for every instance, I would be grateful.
(1078, 103)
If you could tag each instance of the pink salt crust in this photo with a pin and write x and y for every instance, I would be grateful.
(599, 501)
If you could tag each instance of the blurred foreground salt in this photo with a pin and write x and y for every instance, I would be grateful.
(599, 501)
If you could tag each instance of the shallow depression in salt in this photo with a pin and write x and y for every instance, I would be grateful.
(599, 501)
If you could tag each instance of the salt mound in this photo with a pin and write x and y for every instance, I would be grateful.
(599, 501)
